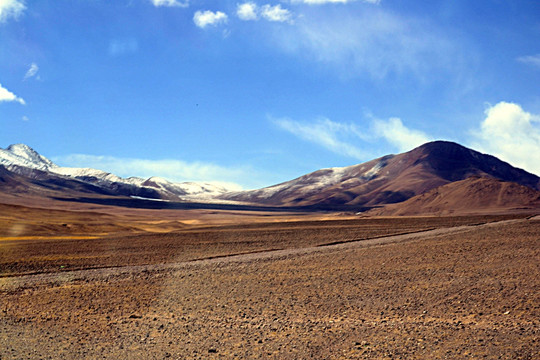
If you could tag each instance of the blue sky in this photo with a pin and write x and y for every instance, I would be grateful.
(255, 93)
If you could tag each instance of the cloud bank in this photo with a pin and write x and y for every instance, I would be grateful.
(511, 134)
(11, 9)
(208, 18)
(8, 96)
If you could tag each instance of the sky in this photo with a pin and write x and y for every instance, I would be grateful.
(250, 94)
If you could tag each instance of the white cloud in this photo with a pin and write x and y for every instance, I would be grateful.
(172, 170)
(11, 9)
(398, 135)
(247, 11)
(511, 134)
(8, 96)
(251, 11)
(170, 3)
(25, 118)
(32, 71)
(327, 133)
(374, 42)
(349, 140)
(119, 47)
(275, 13)
(205, 18)
(320, 2)
(508, 132)
(533, 60)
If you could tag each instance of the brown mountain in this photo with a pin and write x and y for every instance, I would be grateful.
(386, 180)
(470, 196)
(389, 179)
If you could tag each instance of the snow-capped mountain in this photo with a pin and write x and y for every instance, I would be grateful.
(379, 182)
(23, 160)
(25, 156)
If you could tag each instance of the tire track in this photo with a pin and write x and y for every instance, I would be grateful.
(51, 279)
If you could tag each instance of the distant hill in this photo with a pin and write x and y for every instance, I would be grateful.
(389, 179)
(474, 195)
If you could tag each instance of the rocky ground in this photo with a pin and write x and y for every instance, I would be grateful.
(467, 292)
(62, 252)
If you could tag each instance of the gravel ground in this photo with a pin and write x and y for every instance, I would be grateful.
(464, 292)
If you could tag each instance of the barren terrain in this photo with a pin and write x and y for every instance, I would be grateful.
(457, 288)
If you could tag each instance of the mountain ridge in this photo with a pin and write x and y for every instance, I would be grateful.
(390, 179)
(23, 160)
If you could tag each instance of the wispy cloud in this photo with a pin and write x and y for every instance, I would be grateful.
(170, 3)
(172, 170)
(533, 60)
(507, 132)
(32, 71)
(8, 96)
(351, 140)
(247, 11)
(397, 134)
(511, 134)
(11, 9)
(119, 47)
(331, 135)
(373, 42)
(208, 18)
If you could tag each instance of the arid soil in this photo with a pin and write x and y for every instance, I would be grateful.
(65, 252)
(464, 292)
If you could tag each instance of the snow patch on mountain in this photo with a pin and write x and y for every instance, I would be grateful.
(185, 188)
(21, 155)
(82, 173)
(307, 183)
(373, 172)
(25, 156)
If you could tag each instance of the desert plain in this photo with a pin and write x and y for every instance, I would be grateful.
(152, 284)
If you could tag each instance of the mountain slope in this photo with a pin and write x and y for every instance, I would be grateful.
(469, 196)
(389, 179)
(24, 161)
